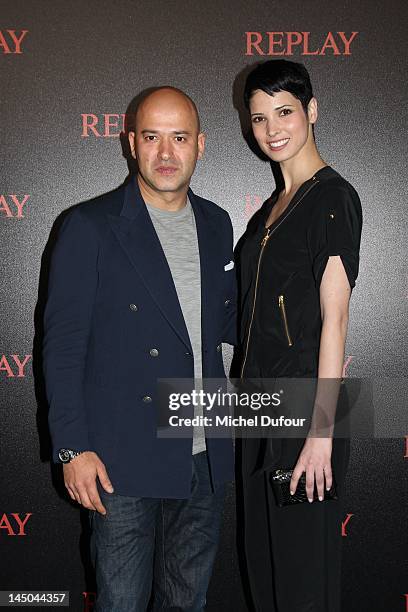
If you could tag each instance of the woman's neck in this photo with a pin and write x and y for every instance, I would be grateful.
(301, 168)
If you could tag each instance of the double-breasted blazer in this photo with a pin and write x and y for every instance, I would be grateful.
(113, 326)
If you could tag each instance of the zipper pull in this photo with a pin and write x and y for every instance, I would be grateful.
(281, 304)
(265, 238)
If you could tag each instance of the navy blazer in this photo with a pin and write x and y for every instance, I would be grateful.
(111, 299)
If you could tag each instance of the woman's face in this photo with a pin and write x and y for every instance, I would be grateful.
(280, 125)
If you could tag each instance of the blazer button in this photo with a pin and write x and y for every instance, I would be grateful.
(133, 307)
(154, 352)
(219, 347)
(226, 303)
(147, 399)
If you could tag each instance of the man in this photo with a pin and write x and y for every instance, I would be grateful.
(142, 287)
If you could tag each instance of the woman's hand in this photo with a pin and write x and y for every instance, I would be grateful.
(315, 460)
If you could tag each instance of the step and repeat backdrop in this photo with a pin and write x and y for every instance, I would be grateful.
(69, 71)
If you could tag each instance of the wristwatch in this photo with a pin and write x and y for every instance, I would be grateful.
(66, 454)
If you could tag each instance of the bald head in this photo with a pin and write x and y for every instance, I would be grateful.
(169, 99)
(166, 142)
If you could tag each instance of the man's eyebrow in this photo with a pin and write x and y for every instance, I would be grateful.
(176, 132)
(181, 132)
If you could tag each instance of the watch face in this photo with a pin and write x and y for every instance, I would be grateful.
(64, 455)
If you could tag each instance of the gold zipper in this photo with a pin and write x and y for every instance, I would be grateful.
(263, 244)
(281, 302)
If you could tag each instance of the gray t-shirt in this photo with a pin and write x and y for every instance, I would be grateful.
(178, 237)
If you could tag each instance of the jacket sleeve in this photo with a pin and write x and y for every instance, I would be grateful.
(336, 230)
(72, 287)
(230, 326)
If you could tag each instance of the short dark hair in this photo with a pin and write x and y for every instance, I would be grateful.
(280, 75)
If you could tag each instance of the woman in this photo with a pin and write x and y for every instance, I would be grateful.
(298, 262)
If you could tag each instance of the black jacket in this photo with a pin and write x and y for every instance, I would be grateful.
(280, 271)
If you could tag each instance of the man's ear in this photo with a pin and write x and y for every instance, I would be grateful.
(201, 138)
(132, 143)
(312, 110)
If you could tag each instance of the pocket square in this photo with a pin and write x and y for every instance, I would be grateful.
(229, 266)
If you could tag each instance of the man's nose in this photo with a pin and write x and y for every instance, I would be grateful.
(164, 151)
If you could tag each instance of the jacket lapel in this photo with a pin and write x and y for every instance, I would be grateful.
(209, 236)
(137, 236)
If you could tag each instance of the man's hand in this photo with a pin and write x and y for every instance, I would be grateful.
(315, 460)
(80, 479)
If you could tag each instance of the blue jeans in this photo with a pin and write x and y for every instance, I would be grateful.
(160, 550)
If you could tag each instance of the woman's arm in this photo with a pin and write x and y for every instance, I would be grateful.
(315, 457)
(334, 305)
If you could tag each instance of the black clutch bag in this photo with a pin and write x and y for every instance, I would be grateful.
(280, 480)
